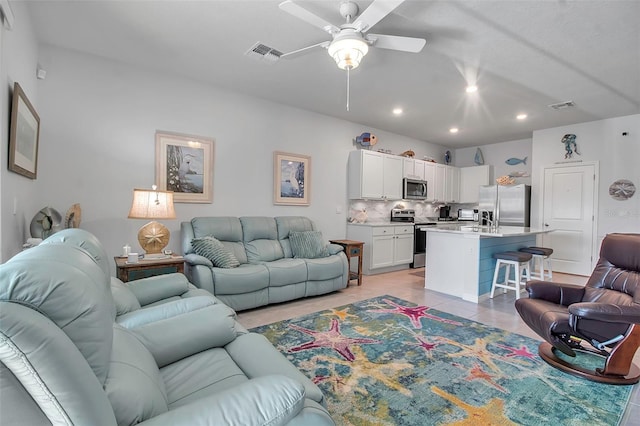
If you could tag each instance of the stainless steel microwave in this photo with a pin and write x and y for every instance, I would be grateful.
(413, 189)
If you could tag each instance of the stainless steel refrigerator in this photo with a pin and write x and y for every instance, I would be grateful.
(514, 203)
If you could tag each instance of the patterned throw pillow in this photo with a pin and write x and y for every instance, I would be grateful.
(215, 251)
(308, 245)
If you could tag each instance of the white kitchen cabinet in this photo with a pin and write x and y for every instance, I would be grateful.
(439, 190)
(443, 182)
(413, 169)
(388, 247)
(430, 177)
(373, 175)
(471, 178)
(452, 184)
(382, 248)
(392, 174)
(403, 247)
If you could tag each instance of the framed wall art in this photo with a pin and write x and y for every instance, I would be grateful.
(24, 136)
(291, 179)
(184, 165)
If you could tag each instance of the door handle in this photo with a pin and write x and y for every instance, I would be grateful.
(546, 224)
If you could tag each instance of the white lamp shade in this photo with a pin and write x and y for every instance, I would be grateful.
(151, 204)
(348, 52)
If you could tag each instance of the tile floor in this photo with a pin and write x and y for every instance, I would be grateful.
(409, 285)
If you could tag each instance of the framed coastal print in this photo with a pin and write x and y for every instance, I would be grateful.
(24, 136)
(291, 179)
(184, 165)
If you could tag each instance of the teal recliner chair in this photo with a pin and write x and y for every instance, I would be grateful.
(64, 360)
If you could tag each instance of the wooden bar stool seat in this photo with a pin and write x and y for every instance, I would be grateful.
(541, 257)
(520, 262)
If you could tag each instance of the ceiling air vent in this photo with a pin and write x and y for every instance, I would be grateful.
(264, 53)
(562, 105)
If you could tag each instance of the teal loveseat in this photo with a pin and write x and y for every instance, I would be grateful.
(65, 360)
(268, 272)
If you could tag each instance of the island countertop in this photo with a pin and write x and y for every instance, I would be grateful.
(485, 231)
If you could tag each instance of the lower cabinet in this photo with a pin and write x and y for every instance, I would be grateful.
(384, 246)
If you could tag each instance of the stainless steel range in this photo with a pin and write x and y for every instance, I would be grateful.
(420, 243)
(419, 237)
(403, 215)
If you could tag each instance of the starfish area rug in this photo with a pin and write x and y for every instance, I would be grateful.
(386, 361)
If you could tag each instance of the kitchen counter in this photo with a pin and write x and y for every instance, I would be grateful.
(460, 256)
(384, 223)
(485, 231)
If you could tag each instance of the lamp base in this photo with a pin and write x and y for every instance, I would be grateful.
(153, 238)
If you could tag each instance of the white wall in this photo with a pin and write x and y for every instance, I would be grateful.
(618, 157)
(99, 118)
(19, 57)
(496, 154)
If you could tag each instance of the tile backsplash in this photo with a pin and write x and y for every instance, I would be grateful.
(380, 211)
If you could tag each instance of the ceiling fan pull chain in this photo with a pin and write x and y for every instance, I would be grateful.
(348, 75)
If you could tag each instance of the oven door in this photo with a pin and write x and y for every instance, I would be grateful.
(419, 248)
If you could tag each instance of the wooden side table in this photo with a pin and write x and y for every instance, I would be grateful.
(147, 267)
(352, 249)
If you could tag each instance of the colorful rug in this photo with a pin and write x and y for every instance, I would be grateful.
(386, 361)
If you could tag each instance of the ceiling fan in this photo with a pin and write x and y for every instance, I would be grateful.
(351, 40)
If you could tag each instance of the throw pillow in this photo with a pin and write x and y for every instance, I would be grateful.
(214, 250)
(308, 245)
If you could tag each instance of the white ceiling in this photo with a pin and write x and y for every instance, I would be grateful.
(524, 55)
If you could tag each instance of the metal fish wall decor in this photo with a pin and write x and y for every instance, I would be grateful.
(514, 161)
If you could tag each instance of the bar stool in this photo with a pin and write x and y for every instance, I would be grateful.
(541, 257)
(521, 265)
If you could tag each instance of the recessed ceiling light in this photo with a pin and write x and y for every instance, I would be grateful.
(454, 130)
(471, 89)
(397, 111)
(521, 116)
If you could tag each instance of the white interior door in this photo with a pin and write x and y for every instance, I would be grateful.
(569, 207)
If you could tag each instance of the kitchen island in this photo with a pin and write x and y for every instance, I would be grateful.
(460, 257)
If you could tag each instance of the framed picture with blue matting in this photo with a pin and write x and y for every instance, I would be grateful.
(291, 179)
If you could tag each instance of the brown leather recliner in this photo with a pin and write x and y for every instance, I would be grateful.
(603, 313)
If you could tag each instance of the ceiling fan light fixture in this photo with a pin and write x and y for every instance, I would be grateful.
(348, 52)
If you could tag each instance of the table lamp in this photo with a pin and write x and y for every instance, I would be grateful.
(153, 204)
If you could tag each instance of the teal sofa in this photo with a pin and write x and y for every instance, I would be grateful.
(64, 359)
(268, 271)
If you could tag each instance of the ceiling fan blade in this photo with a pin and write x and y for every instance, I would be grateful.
(310, 18)
(405, 44)
(374, 13)
(299, 52)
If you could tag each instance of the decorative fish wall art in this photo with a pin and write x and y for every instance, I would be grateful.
(478, 158)
(367, 139)
(515, 161)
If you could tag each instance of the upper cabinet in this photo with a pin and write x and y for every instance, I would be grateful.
(413, 169)
(377, 176)
(471, 178)
(430, 177)
(439, 189)
(373, 175)
(452, 184)
(436, 176)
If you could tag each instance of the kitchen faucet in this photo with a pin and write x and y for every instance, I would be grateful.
(488, 218)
